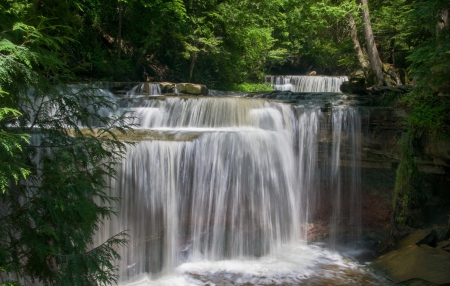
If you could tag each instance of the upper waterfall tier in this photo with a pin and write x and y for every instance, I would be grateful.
(195, 113)
(305, 83)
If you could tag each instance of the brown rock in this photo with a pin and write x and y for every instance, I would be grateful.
(443, 244)
(167, 87)
(415, 262)
(418, 237)
(191, 88)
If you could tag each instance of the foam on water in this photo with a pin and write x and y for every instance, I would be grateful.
(295, 264)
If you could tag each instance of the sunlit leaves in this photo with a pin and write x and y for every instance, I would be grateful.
(52, 181)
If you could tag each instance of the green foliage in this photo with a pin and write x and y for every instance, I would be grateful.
(10, 145)
(246, 87)
(53, 182)
(429, 102)
(390, 22)
(251, 87)
(319, 36)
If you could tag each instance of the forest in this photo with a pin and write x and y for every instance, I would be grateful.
(47, 214)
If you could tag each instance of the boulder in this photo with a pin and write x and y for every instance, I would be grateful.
(357, 83)
(191, 88)
(415, 262)
(443, 244)
(421, 255)
(167, 87)
(431, 239)
(429, 236)
(345, 87)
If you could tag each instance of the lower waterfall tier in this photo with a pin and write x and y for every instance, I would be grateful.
(231, 179)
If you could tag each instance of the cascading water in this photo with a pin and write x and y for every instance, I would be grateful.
(305, 83)
(145, 89)
(226, 195)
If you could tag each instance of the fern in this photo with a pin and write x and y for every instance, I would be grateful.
(52, 182)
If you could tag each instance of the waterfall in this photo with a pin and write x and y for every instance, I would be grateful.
(305, 83)
(148, 89)
(232, 179)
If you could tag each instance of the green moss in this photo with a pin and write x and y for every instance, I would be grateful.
(408, 181)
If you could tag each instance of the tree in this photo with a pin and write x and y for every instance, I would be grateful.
(361, 57)
(428, 103)
(429, 31)
(374, 58)
(51, 182)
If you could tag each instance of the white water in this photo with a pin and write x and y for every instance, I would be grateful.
(292, 265)
(305, 83)
(147, 89)
(229, 198)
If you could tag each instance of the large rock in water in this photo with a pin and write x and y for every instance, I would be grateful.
(415, 262)
(191, 88)
(421, 255)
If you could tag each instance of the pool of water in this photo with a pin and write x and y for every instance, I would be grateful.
(299, 264)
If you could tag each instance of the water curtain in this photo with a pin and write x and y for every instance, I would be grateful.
(231, 178)
(296, 83)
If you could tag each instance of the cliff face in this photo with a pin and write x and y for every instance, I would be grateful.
(381, 130)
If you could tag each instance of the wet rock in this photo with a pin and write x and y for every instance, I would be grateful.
(431, 239)
(418, 282)
(345, 87)
(327, 107)
(167, 87)
(443, 244)
(318, 231)
(415, 262)
(419, 237)
(191, 88)
(378, 240)
(417, 218)
(357, 85)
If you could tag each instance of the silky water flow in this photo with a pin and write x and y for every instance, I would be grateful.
(226, 196)
(303, 83)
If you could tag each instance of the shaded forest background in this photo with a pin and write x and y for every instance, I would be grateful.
(219, 42)
(52, 170)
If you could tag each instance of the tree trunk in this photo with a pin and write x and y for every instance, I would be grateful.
(374, 58)
(392, 51)
(363, 63)
(193, 60)
(443, 21)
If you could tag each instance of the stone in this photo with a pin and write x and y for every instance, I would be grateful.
(430, 239)
(414, 262)
(443, 244)
(345, 87)
(191, 88)
(417, 218)
(167, 87)
(418, 237)
(357, 83)
(181, 88)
